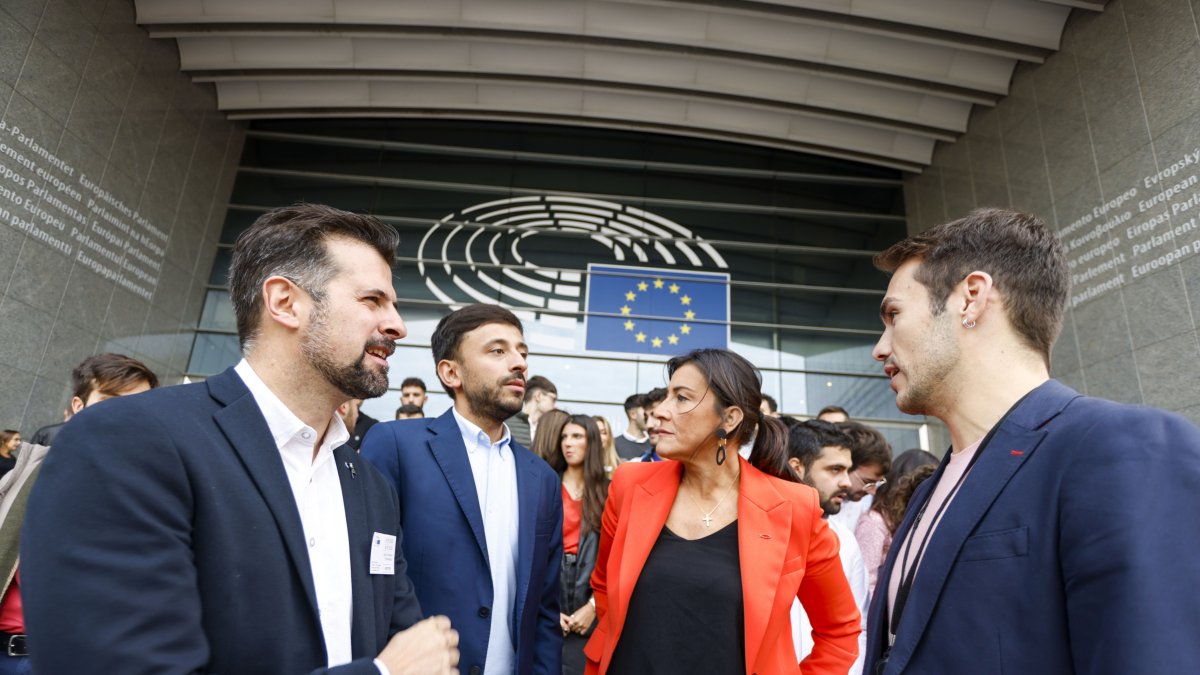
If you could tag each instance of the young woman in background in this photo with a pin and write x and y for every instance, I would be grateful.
(579, 461)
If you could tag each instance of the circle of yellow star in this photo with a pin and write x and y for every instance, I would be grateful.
(674, 288)
(641, 337)
(643, 286)
(689, 315)
(673, 339)
(658, 283)
(687, 300)
(685, 329)
(626, 310)
(656, 342)
(628, 325)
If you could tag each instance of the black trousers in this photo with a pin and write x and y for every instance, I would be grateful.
(573, 660)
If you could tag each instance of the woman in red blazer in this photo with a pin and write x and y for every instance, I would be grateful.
(701, 557)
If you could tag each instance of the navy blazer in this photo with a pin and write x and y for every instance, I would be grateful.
(163, 537)
(444, 541)
(1071, 547)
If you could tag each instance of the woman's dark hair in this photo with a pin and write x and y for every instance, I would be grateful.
(909, 469)
(595, 477)
(734, 381)
(549, 429)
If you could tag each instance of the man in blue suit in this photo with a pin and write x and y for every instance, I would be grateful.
(216, 527)
(482, 516)
(1039, 546)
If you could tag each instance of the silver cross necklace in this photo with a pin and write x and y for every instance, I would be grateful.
(707, 518)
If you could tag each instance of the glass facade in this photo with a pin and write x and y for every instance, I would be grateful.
(514, 214)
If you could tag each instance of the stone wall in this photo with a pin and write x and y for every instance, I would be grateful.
(1102, 141)
(115, 170)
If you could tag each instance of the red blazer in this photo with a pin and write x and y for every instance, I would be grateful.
(786, 551)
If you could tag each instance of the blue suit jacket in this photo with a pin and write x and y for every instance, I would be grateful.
(444, 541)
(162, 537)
(1071, 547)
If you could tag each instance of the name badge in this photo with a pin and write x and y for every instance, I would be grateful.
(383, 553)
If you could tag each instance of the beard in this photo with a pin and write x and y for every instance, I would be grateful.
(828, 506)
(491, 400)
(355, 380)
(930, 370)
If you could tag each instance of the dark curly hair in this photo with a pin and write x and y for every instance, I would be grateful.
(893, 505)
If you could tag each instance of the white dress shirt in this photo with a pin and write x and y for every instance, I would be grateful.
(495, 471)
(851, 512)
(318, 493)
(856, 573)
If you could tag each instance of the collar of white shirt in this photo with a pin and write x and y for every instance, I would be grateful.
(282, 422)
(474, 437)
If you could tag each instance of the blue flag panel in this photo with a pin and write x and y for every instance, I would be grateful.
(654, 311)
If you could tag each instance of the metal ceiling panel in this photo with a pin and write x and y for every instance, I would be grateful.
(879, 81)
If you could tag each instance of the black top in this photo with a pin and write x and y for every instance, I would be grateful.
(627, 449)
(686, 613)
(361, 427)
(45, 435)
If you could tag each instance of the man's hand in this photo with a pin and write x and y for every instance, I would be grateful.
(428, 647)
(564, 622)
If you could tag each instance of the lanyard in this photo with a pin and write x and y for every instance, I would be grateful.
(909, 576)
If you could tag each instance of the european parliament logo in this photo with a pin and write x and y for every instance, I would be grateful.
(653, 311)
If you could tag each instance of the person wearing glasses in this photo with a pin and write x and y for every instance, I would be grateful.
(872, 457)
(820, 455)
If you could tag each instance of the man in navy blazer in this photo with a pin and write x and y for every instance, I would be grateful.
(482, 516)
(216, 527)
(1040, 546)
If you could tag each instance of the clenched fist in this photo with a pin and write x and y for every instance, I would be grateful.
(428, 647)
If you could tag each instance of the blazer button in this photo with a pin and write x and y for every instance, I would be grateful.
(484, 612)
(475, 670)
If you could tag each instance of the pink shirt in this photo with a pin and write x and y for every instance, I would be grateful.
(875, 541)
(959, 461)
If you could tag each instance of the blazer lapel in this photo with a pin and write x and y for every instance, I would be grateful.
(362, 627)
(1014, 442)
(640, 526)
(246, 430)
(451, 455)
(877, 625)
(763, 533)
(528, 497)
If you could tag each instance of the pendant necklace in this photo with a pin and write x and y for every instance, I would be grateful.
(575, 495)
(707, 518)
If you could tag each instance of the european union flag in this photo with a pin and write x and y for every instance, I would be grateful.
(653, 311)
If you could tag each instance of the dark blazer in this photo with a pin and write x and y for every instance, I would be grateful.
(445, 546)
(162, 537)
(577, 568)
(1070, 548)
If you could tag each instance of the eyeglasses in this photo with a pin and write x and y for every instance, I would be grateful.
(872, 486)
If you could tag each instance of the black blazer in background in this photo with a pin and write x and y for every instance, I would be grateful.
(162, 537)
